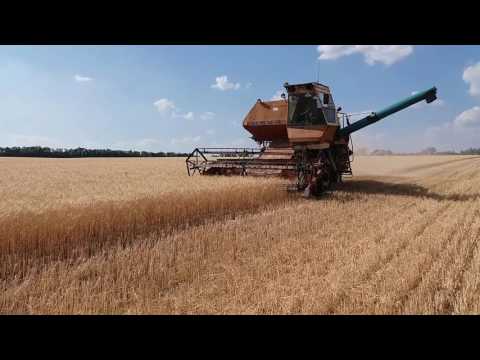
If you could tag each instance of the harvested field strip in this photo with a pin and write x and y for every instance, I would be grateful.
(436, 289)
(80, 231)
(395, 279)
(371, 260)
(468, 290)
(403, 277)
(435, 165)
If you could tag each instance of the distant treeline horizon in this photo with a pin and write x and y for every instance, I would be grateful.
(46, 152)
(427, 151)
(41, 151)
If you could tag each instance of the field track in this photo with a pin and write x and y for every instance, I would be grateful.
(400, 237)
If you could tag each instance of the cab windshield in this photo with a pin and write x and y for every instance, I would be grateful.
(305, 109)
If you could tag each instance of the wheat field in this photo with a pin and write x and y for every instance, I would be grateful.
(130, 236)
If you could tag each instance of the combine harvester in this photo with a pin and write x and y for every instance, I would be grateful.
(304, 138)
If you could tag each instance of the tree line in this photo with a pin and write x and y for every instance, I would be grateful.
(427, 151)
(470, 151)
(40, 151)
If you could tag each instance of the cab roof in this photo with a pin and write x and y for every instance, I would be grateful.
(316, 86)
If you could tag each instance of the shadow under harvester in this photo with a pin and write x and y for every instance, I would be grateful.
(401, 189)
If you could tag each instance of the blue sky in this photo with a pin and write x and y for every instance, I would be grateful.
(173, 98)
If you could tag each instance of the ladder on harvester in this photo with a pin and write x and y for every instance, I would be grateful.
(347, 170)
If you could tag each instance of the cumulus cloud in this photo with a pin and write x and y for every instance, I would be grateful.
(168, 107)
(164, 105)
(458, 134)
(81, 78)
(188, 116)
(469, 118)
(222, 83)
(208, 115)
(386, 54)
(452, 136)
(471, 76)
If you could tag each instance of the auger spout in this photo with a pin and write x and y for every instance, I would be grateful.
(429, 96)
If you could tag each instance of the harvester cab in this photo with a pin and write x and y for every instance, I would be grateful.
(310, 107)
(300, 136)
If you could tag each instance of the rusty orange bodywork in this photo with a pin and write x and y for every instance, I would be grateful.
(317, 134)
(267, 121)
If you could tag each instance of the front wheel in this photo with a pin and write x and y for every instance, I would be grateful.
(304, 177)
(319, 183)
(324, 181)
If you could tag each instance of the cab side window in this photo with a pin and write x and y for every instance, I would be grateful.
(326, 99)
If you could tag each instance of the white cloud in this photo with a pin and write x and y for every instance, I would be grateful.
(471, 75)
(278, 95)
(332, 52)
(461, 133)
(164, 105)
(208, 115)
(222, 83)
(210, 132)
(469, 118)
(452, 136)
(188, 116)
(386, 54)
(81, 78)
(168, 107)
(248, 85)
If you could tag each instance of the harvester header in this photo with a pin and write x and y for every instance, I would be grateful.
(300, 137)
